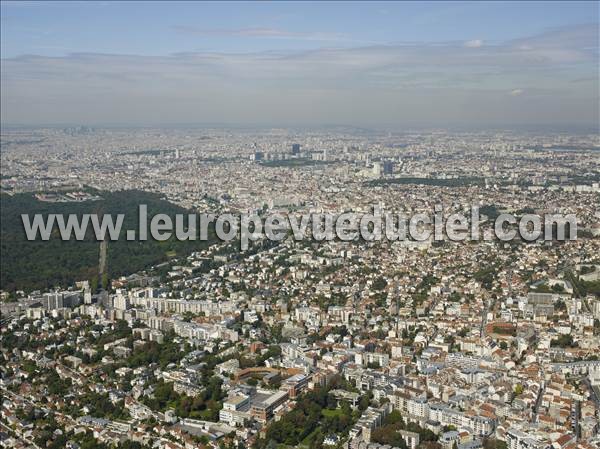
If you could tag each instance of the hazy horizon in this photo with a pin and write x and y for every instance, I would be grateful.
(372, 65)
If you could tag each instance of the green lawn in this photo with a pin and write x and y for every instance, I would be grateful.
(331, 413)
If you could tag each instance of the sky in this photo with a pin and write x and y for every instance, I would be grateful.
(368, 64)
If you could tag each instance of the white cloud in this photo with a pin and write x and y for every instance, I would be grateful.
(476, 43)
(516, 92)
(265, 33)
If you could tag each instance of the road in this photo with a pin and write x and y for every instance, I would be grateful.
(575, 415)
(536, 407)
(593, 393)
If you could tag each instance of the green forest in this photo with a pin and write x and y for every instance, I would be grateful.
(29, 265)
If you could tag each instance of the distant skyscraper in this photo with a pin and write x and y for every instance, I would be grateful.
(388, 168)
(295, 148)
(258, 156)
(376, 169)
